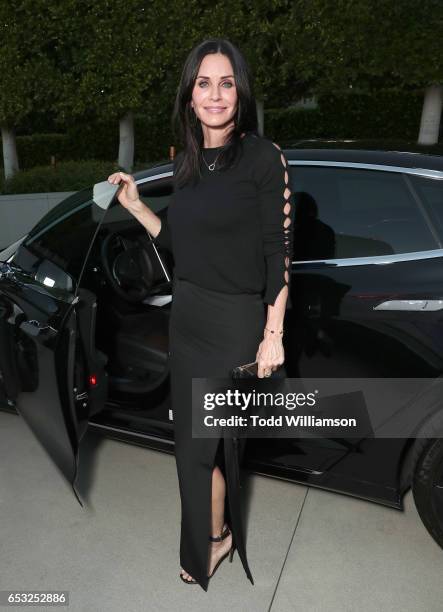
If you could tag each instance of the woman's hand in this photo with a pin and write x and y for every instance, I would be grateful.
(128, 195)
(270, 354)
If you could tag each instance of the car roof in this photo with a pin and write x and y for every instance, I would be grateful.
(402, 159)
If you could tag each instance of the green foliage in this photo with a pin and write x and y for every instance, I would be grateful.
(365, 45)
(37, 149)
(28, 74)
(96, 140)
(112, 54)
(384, 115)
(87, 64)
(67, 176)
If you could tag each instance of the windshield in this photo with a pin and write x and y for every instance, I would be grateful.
(63, 236)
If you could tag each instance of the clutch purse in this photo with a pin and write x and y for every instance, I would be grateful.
(250, 370)
(247, 370)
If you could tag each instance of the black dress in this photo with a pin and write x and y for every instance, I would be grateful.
(231, 239)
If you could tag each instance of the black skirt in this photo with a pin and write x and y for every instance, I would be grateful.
(209, 334)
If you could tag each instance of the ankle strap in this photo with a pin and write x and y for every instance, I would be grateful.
(221, 537)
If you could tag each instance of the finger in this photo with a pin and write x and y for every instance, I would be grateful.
(261, 370)
(120, 177)
(126, 177)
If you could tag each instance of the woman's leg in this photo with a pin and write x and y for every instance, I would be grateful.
(216, 549)
(218, 501)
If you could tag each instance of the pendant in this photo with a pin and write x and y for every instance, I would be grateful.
(212, 167)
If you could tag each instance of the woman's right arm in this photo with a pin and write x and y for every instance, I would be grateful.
(129, 198)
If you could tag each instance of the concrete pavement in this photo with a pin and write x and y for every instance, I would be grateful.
(309, 550)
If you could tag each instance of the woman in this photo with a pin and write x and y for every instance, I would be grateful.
(228, 229)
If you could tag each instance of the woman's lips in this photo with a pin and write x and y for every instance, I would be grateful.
(215, 109)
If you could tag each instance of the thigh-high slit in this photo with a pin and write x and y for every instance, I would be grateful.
(209, 333)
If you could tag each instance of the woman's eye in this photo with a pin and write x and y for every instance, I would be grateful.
(225, 83)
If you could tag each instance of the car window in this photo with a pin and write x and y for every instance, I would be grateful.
(128, 232)
(55, 249)
(430, 191)
(344, 212)
(155, 194)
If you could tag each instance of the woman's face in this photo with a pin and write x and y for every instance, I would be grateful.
(214, 97)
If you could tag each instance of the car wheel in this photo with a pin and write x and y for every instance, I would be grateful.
(427, 488)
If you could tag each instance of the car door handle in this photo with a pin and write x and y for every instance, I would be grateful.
(35, 328)
(425, 305)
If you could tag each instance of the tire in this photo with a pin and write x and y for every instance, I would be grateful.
(427, 488)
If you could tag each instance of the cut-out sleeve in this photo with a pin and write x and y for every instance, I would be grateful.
(277, 212)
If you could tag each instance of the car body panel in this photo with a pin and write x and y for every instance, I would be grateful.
(47, 327)
(339, 327)
(38, 343)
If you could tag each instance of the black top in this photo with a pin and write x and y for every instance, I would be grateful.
(228, 232)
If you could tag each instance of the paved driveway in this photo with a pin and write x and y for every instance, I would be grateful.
(308, 550)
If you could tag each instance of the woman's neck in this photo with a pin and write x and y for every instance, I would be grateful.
(213, 137)
(216, 142)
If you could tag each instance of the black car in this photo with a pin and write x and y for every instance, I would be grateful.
(85, 298)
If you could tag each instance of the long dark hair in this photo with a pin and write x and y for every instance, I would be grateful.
(185, 121)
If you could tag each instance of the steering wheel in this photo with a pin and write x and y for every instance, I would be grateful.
(130, 271)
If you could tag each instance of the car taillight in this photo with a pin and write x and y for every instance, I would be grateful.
(92, 380)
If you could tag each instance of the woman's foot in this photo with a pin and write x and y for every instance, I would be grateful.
(219, 550)
(186, 577)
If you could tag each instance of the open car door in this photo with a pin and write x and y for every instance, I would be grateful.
(49, 367)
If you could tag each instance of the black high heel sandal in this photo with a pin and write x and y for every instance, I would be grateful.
(226, 531)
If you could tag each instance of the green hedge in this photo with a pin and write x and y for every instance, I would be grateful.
(36, 150)
(390, 119)
(66, 176)
(358, 116)
(382, 116)
(87, 140)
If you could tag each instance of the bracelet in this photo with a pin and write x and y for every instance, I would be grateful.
(275, 331)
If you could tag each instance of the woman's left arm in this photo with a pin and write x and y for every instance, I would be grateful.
(276, 211)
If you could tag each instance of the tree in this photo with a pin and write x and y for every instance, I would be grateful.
(365, 46)
(256, 27)
(110, 56)
(27, 74)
